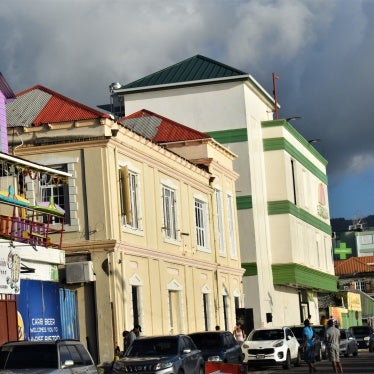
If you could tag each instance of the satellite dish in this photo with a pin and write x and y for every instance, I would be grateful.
(115, 86)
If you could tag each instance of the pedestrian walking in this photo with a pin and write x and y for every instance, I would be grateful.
(239, 333)
(333, 342)
(308, 346)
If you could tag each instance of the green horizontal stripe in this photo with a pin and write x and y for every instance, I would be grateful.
(302, 276)
(244, 202)
(276, 144)
(297, 136)
(250, 268)
(286, 207)
(229, 136)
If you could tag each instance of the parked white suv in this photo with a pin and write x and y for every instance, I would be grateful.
(45, 357)
(271, 346)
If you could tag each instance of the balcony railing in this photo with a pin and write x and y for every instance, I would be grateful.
(28, 230)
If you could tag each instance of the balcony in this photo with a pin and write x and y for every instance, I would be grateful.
(30, 230)
(40, 223)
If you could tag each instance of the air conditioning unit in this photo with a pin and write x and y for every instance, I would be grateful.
(80, 272)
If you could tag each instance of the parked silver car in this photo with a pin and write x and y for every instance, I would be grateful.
(46, 357)
(348, 344)
(161, 355)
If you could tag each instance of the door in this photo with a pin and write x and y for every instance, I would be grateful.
(8, 321)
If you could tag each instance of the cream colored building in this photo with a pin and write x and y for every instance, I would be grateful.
(151, 234)
(282, 200)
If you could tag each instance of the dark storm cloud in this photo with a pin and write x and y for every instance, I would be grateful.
(322, 51)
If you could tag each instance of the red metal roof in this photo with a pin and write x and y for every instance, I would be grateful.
(160, 129)
(47, 106)
(354, 265)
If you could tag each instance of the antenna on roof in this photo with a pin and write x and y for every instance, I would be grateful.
(275, 78)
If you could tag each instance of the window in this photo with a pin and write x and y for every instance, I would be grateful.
(129, 198)
(169, 210)
(135, 304)
(293, 174)
(206, 311)
(220, 226)
(201, 224)
(55, 188)
(360, 285)
(231, 224)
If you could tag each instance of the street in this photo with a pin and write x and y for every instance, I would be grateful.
(362, 364)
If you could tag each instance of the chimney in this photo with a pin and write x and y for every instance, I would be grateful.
(6, 95)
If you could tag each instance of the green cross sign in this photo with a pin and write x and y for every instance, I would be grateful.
(342, 251)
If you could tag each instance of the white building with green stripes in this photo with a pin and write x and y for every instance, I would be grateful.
(282, 199)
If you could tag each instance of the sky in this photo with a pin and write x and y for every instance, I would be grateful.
(322, 51)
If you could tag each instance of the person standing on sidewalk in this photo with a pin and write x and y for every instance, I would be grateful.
(333, 341)
(308, 346)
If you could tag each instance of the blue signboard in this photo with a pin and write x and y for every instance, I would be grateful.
(39, 310)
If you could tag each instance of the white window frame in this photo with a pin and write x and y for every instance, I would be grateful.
(201, 223)
(231, 226)
(360, 285)
(220, 223)
(33, 191)
(169, 210)
(130, 198)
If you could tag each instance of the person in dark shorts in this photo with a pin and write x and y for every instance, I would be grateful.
(308, 346)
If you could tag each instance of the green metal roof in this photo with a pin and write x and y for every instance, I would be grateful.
(195, 68)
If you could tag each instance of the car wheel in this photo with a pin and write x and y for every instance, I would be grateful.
(355, 353)
(180, 371)
(287, 364)
(371, 348)
(298, 359)
(319, 354)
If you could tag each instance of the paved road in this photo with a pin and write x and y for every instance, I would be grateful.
(362, 364)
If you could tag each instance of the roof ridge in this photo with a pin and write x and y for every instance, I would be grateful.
(195, 68)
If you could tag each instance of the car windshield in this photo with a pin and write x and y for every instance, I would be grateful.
(29, 356)
(153, 347)
(361, 330)
(204, 341)
(343, 334)
(298, 332)
(274, 334)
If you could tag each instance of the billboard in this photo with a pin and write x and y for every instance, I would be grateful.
(39, 310)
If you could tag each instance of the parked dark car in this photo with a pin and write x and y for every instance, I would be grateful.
(46, 357)
(218, 346)
(320, 330)
(348, 344)
(298, 332)
(371, 342)
(161, 355)
(362, 335)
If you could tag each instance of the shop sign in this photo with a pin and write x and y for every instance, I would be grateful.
(10, 264)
